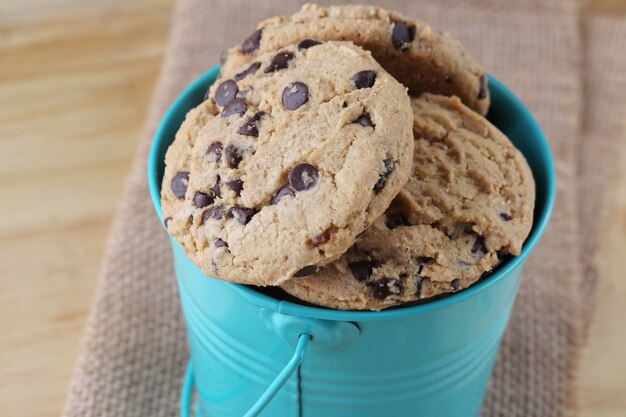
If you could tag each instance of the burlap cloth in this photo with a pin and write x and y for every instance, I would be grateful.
(568, 67)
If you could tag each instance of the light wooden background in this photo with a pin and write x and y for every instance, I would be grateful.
(75, 81)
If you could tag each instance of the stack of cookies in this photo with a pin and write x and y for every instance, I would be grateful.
(344, 157)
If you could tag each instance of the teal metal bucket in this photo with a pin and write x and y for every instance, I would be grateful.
(252, 354)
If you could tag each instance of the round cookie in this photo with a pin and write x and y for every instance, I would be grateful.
(303, 154)
(419, 56)
(468, 203)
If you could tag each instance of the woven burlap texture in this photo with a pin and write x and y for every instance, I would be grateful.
(567, 68)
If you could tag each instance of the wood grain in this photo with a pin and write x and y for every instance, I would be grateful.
(75, 81)
(602, 381)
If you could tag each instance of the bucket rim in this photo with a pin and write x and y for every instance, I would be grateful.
(195, 91)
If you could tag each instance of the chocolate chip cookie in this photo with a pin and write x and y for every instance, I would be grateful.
(419, 56)
(307, 147)
(468, 203)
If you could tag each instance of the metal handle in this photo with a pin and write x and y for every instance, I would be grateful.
(266, 397)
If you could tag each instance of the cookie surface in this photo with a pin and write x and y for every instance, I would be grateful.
(178, 157)
(303, 153)
(419, 56)
(468, 203)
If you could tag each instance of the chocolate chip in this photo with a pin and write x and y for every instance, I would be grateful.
(284, 191)
(479, 248)
(385, 287)
(251, 126)
(455, 284)
(235, 185)
(323, 237)
(418, 287)
(213, 212)
(219, 243)
(382, 178)
(502, 255)
(448, 79)
(364, 79)
(402, 35)
(166, 221)
(482, 87)
(319, 239)
(235, 106)
(242, 214)
(201, 200)
(421, 261)
(303, 176)
(397, 221)
(279, 62)
(252, 43)
(180, 183)
(217, 192)
(295, 95)
(225, 92)
(307, 270)
(464, 264)
(233, 156)
(506, 217)
(362, 270)
(364, 120)
(254, 67)
(190, 219)
(214, 152)
(307, 43)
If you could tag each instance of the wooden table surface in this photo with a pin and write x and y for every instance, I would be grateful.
(75, 81)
